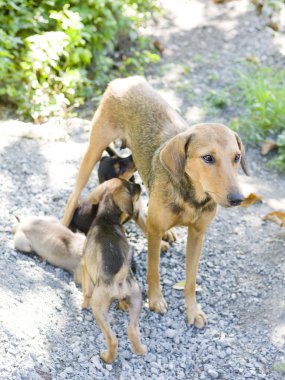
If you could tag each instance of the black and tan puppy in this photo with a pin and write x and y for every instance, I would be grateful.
(106, 263)
(110, 167)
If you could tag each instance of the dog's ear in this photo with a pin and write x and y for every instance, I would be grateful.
(124, 201)
(97, 193)
(173, 155)
(243, 160)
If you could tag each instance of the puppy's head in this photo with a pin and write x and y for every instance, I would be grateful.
(210, 155)
(115, 167)
(123, 194)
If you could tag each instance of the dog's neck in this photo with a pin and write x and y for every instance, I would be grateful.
(189, 195)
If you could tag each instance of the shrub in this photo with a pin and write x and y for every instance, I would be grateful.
(54, 54)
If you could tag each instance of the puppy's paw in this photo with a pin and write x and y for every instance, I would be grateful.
(107, 356)
(123, 305)
(140, 350)
(196, 317)
(158, 304)
(170, 236)
(164, 246)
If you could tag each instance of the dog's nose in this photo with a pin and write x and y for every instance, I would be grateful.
(235, 199)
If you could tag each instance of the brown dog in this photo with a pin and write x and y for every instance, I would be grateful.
(187, 171)
(106, 263)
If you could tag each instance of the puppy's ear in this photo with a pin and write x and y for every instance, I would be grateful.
(97, 193)
(243, 160)
(124, 201)
(173, 155)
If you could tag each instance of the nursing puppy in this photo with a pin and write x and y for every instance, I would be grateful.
(53, 242)
(106, 263)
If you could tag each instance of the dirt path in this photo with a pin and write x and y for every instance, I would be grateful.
(45, 335)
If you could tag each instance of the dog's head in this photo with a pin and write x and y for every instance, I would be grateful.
(210, 155)
(122, 193)
(116, 167)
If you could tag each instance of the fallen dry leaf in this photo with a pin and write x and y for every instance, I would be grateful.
(273, 25)
(253, 59)
(267, 146)
(158, 46)
(251, 199)
(277, 217)
(181, 284)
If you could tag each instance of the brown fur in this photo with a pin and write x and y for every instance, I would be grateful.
(183, 188)
(106, 264)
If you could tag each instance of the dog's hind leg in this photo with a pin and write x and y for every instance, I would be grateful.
(100, 137)
(100, 303)
(87, 286)
(134, 309)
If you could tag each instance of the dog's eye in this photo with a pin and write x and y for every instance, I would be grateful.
(208, 159)
(237, 158)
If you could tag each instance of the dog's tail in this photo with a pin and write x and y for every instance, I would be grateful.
(16, 225)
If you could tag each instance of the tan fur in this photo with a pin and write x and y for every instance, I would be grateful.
(52, 242)
(183, 189)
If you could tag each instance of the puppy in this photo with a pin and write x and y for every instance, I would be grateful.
(106, 263)
(113, 167)
(53, 242)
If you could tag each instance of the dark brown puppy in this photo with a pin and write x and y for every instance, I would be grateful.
(106, 263)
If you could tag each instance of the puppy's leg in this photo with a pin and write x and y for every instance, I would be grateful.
(100, 138)
(21, 242)
(134, 309)
(195, 239)
(87, 286)
(100, 302)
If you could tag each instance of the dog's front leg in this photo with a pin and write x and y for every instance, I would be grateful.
(195, 239)
(194, 313)
(155, 297)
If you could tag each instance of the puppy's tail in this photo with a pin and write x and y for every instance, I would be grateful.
(16, 225)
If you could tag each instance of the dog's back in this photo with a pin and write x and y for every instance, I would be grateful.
(144, 115)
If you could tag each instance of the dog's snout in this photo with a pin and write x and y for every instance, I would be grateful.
(235, 199)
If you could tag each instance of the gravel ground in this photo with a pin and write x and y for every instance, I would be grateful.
(45, 335)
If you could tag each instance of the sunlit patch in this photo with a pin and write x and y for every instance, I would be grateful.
(278, 335)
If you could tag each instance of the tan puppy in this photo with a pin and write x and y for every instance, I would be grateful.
(53, 242)
(188, 172)
(106, 264)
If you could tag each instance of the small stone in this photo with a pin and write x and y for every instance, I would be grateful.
(213, 373)
(170, 333)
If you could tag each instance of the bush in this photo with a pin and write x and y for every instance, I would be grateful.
(54, 54)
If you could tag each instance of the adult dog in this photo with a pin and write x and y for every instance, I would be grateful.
(187, 172)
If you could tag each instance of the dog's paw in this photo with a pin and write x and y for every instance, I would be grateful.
(170, 236)
(107, 357)
(164, 246)
(158, 304)
(85, 303)
(140, 350)
(196, 317)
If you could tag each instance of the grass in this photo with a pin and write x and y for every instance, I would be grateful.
(262, 95)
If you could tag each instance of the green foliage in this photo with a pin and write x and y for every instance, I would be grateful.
(263, 96)
(54, 54)
(263, 90)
